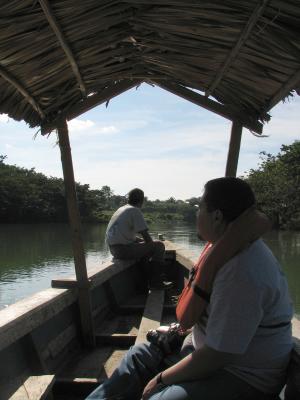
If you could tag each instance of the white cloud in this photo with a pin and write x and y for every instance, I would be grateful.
(108, 129)
(80, 125)
(159, 142)
(162, 178)
(4, 118)
(80, 128)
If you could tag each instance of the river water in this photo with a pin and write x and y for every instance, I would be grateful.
(31, 255)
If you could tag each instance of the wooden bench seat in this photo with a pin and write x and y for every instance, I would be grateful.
(152, 314)
(121, 330)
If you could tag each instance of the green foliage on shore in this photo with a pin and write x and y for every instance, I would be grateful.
(30, 197)
(276, 184)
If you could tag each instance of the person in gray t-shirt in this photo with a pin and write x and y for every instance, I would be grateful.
(128, 238)
(240, 347)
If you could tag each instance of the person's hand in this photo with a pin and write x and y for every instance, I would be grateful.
(151, 388)
(184, 332)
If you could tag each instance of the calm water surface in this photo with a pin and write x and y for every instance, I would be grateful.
(31, 255)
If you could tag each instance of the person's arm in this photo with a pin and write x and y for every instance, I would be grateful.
(146, 236)
(199, 364)
(140, 226)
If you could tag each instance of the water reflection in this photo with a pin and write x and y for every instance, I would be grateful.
(31, 255)
(286, 247)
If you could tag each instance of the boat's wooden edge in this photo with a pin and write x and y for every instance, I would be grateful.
(96, 275)
(22, 317)
(183, 256)
(103, 272)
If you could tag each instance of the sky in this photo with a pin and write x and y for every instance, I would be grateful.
(151, 139)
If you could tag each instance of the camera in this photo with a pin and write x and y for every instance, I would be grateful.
(167, 338)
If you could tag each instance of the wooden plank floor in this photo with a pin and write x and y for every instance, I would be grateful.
(114, 336)
(152, 314)
(86, 366)
(27, 387)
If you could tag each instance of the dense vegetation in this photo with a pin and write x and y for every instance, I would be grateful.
(276, 183)
(29, 196)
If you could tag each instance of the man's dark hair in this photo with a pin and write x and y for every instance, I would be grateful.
(230, 195)
(135, 197)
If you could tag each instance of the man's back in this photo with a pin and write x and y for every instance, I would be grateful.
(125, 223)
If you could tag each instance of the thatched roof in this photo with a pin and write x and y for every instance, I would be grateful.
(62, 57)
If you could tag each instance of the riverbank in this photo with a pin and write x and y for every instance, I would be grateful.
(150, 217)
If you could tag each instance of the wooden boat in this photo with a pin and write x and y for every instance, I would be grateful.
(41, 348)
(58, 60)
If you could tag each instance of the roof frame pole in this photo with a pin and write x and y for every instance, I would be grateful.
(210, 105)
(234, 149)
(83, 283)
(246, 32)
(63, 42)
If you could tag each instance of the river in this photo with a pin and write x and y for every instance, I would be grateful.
(31, 255)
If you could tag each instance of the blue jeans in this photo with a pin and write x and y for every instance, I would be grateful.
(142, 362)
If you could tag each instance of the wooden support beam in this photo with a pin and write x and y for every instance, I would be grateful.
(234, 149)
(292, 84)
(210, 105)
(258, 11)
(13, 81)
(77, 243)
(63, 42)
(91, 102)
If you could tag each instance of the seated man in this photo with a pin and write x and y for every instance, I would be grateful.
(124, 244)
(241, 345)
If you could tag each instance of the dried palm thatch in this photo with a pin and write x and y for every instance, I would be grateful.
(62, 57)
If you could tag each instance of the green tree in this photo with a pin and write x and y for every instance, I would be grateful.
(276, 183)
(2, 158)
(29, 196)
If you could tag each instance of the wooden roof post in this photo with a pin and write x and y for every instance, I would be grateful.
(77, 242)
(234, 149)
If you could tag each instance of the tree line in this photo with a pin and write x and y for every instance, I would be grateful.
(29, 196)
(276, 183)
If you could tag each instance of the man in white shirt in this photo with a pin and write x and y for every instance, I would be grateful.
(128, 238)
